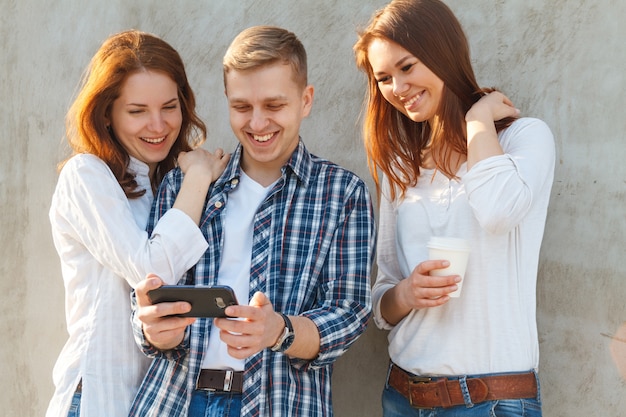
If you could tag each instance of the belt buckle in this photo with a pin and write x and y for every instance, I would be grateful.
(228, 381)
(418, 380)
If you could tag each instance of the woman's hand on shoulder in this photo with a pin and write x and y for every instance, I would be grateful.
(492, 107)
(209, 163)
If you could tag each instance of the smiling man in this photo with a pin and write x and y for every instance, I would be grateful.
(288, 231)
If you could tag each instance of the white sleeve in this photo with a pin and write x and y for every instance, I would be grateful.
(389, 273)
(89, 207)
(502, 189)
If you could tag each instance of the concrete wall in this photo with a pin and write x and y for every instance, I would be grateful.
(562, 61)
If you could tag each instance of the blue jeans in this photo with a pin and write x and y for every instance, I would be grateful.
(214, 404)
(396, 405)
(75, 406)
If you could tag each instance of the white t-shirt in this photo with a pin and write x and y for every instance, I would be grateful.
(234, 271)
(500, 206)
(104, 250)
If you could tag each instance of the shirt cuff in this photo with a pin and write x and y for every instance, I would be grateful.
(183, 238)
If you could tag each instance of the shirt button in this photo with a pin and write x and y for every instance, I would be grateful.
(234, 182)
(218, 204)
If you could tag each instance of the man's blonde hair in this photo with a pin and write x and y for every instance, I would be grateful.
(259, 46)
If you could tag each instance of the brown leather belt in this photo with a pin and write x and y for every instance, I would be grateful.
(220, 380)
(442, 392)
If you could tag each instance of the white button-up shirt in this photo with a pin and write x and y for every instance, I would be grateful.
(500, 206)
(104, 250)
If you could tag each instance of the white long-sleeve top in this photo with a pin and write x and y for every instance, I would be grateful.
(104, 250)
(500, 206)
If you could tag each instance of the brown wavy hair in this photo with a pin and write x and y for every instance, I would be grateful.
(120, 56)
(394, 143)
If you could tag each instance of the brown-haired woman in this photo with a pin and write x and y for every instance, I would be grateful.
(445, 169)
(133, 120)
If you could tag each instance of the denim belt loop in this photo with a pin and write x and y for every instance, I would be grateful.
(388, 373)
(465, 390)
(538, 386)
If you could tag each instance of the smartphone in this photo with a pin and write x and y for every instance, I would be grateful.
(205, 301)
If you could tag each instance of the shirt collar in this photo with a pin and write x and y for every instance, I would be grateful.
(138, 167)
(299, 163)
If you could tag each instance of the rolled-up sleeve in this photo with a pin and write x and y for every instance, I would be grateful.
(502, 189)
(90, 207)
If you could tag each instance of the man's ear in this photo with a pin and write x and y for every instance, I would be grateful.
(307, 100)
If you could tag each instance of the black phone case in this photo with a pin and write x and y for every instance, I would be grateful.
(205, 301)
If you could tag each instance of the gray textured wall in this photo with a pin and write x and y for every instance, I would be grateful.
(562, 61)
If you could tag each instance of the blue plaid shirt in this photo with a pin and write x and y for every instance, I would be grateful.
(317, 249)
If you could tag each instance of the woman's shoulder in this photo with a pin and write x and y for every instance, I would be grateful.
(83, 161)
(528, 122)
(527, 127)
(527, 134)
(85, 166)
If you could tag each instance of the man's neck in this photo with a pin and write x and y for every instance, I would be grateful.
(261, 173)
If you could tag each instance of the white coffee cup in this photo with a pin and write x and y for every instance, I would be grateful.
(454, 250)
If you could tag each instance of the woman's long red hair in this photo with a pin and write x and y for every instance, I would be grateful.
(86, 123)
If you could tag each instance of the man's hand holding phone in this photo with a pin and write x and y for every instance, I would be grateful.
(163, 326)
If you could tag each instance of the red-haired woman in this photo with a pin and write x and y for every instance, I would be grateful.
(133, 120)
